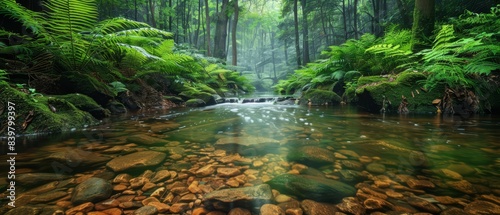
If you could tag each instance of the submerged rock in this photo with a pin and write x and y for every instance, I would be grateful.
(310, 187)
(248, 145)
(145, 139)
(32, 179)
(311, 155)
(245, 197)
(91, 190)
(136, 160)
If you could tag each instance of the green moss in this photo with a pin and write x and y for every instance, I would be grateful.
(195, 103)
(319, 97)
(87, 104)
(191, 93)
(370, 79)
(66, 117)
(410, 78)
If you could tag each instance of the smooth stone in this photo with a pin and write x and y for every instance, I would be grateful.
(106, 204)
(376, 168)
(311, 156)
(24, 210)
(351, 205)
(32, 179)
(205, 171)
(462, 186)
(453, 211)
(419, 184)
(350, 164)
(91, 190)
(270, 209)
(310, 207)
(462, 169)
(374, 203)
(145, 139)
(178, 207)
(161, 175)
(449, 174)
(423, 204)
(310, 187)
(49, 196)
(349, 153)
(227, 172)
(77, 158)
(82, 208)
(146, 210)
(161, 207)
(136, 160)
(482, 207)
(235, 197)
(113, 211)
(122, 178)
(239, 211)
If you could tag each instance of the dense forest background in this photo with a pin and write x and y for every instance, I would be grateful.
(139, 52)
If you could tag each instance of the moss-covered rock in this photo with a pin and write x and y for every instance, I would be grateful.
(374, 90)
(64, 115)
(320, 97)
(195, 103)
(115, 107)
(174, 99)
(194, 94)
(87, 104)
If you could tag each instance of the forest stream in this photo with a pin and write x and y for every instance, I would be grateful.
(260, 158)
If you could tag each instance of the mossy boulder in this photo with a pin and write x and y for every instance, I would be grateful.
(320, 97)
(311, 187)
(311, 155)
(64, 116)
(372, 90)
(192, 94)
(87, 104)
(174, 99)
(195, 103)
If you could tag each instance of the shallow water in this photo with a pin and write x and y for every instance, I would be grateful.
(417, 146)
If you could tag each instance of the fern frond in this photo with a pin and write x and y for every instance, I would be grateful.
(19, 13)
(67, 17)
(110, 26)
(146, 32)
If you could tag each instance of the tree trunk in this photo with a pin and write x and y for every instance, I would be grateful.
(233, 34)
(221, 32)
(403, 11)
(305, 33)
(152, 13)
(275, 78)
(170, 21)
(198, 24)
(355, 19)
(296, 25)
(135, 10)
(423, 22)
(207, 35)
(344, 19)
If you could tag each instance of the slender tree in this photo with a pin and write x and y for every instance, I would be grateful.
(221, 31)
(296, 25)
(423, 22)
(233, 33)
(305, 32)
(207, 34)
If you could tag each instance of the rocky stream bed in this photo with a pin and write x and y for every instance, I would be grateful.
(147, 173)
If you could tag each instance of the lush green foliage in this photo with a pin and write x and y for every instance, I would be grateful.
(110, 54)
(463, 59)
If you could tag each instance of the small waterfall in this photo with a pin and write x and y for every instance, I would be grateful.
(268, 100)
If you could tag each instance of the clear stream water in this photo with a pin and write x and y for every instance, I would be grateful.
(406, 144)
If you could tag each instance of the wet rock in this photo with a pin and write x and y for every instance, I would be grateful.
(351, 176)
(200, 211)
(91, 190)
(419, 184)
(24, 210)
(349, 153)
(247, 145)
(462, 186)
(137, 182)
(311, 207)
(32, 179)
(349, 164)
(77, 158)
(449, 174)
(205, 171)
(245, 197)
(270, 209)
(112, 211)
(107, 204)
(376, 168)
(311, 156)
(453, 211)
(351, 205)
(374, 203)
(122, 178)
(462, 169)
(136, 160)
(239, 211)
(423, 205)
(146, 210)
(50, 196)
(310, 187)
(161, 207)
(145, 139)
(294, 211)
(491, 198)
(228, 172)
(82, 208)
(178, 207)
(482, 207)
